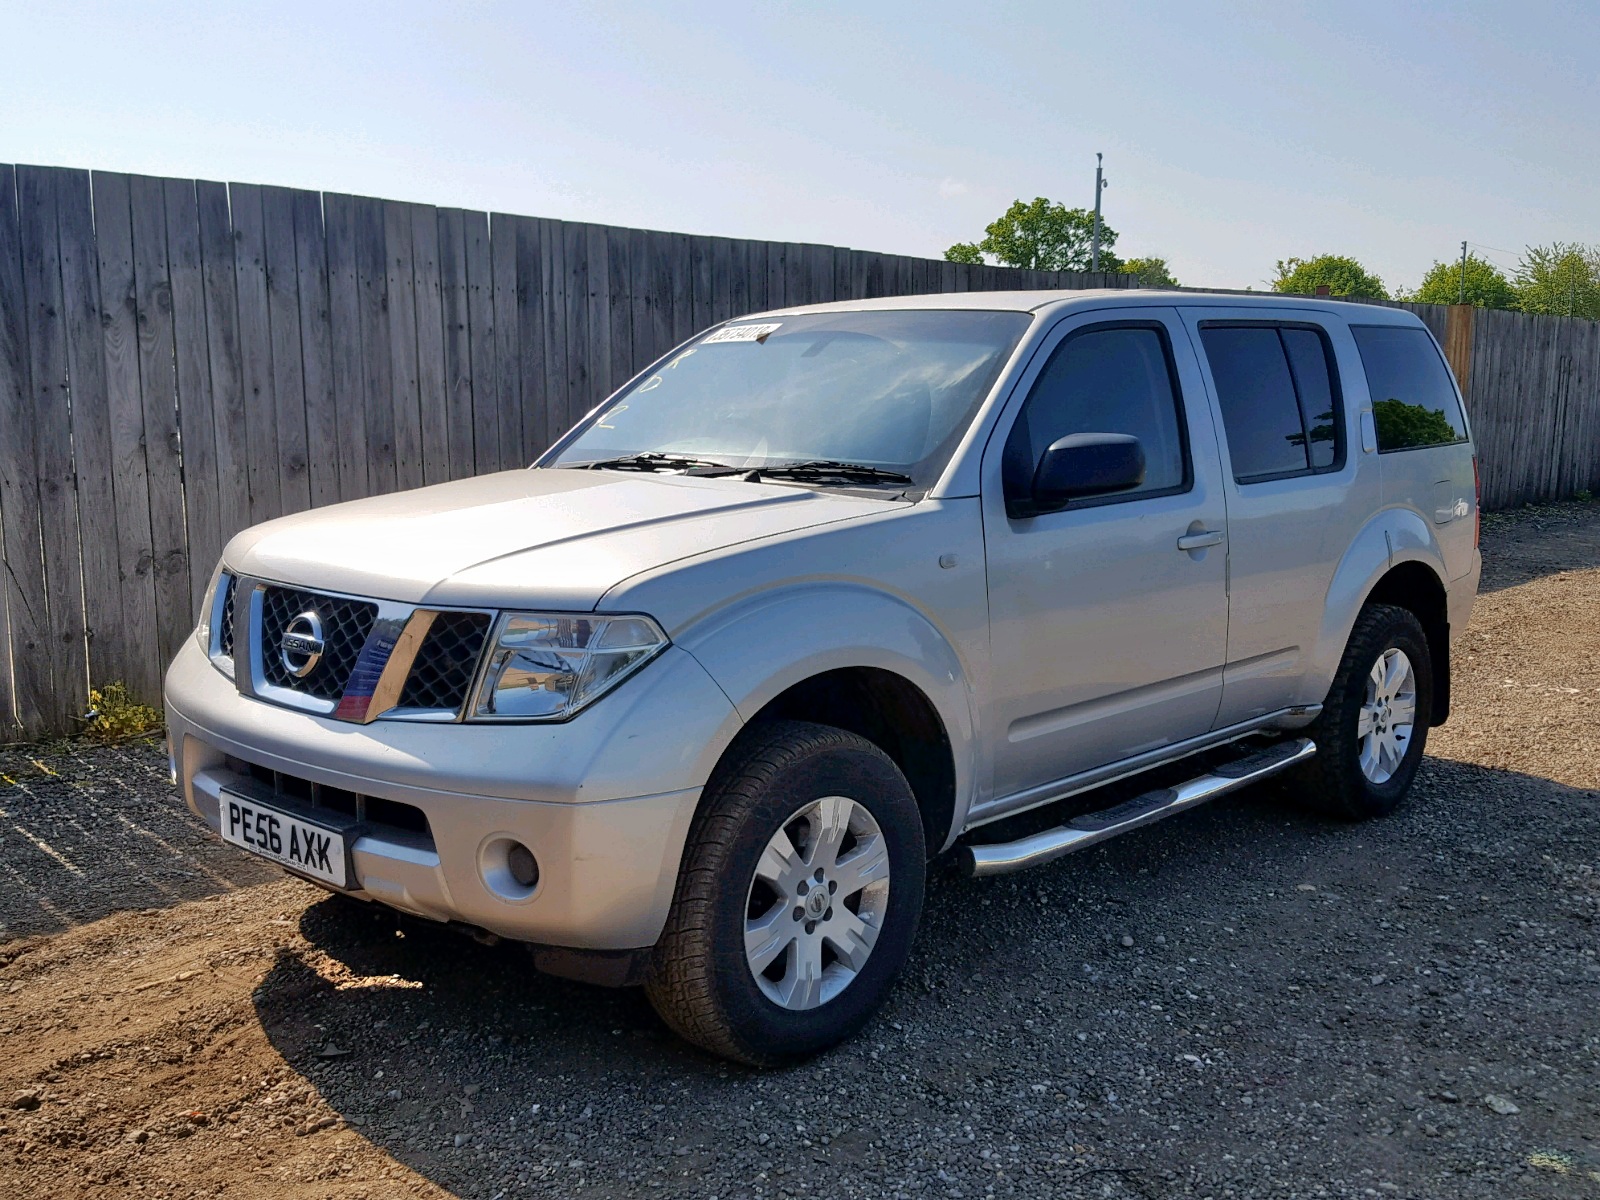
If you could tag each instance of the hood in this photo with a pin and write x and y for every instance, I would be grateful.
(556, 538)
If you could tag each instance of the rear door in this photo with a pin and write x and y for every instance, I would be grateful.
(1295, 497)
(1107, 637)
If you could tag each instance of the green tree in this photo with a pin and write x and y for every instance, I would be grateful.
(1486, 286)
(1041, 236)
(964, 252)
(1561, 280)
(1342, 276)
(1152, 272)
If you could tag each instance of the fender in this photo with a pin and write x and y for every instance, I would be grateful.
(1390, 537)
(759, 647)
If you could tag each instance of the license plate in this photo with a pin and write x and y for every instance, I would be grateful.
(312, 850)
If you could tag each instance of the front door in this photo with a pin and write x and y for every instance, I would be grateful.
(1108, 618)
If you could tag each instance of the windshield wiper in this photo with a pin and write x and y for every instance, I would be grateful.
(649, 462)
(827, 468)
(807, 471)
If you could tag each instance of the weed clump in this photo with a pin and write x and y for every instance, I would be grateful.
(115, 715)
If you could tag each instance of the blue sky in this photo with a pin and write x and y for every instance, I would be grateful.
(1234, 135)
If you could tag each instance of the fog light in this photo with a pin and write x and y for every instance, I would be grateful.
(520, 862)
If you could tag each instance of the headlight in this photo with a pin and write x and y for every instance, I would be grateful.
(547, 666)
(208, 606)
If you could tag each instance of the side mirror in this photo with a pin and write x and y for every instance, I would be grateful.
(1086, 464)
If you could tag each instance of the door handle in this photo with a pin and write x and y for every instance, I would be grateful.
(1199, 541)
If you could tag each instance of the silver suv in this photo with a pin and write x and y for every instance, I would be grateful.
(829, 592)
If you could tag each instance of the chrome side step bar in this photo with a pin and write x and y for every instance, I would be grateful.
(1093, 828)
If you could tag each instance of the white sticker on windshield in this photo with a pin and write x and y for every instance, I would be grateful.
(742, 333)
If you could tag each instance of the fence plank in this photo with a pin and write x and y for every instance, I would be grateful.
(597, 256)
(552, 260)
(533, 347)
(373, 277)
(58, 499)
(255, 352)
(288, 368)
(130, 486)
(755, 256)
(575, 265)
(682, 310)
(316, 348)
(818, 266)
(503, 243)
(721, 282)
(796, 278)
(643, 299)
(223, 358)
(196, 422)
(404, 397)
(1586, 436)
(488, 443)
(158, 387)
(700, 272)
(348, 379)
(444, 413)
(619, 298)
(91, 432)
(738, 279)
(659, 282)
(29, 685)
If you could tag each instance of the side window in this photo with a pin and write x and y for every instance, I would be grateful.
(1413, 401)
(1279, 399)
(1114, 379)
(1313, 385)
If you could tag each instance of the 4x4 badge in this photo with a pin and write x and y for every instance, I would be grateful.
(302, 645)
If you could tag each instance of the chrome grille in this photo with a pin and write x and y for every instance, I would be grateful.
(345, 625)
(225, 631)
(446, 662)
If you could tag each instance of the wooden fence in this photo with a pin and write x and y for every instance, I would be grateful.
(181, 359)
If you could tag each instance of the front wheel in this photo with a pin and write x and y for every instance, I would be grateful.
(1374, 723)
(798, 897)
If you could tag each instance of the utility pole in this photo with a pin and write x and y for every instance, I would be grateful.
(1463, 273)
(1100, 185)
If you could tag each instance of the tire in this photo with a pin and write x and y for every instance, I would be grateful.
(1347, 778)
(748, 877)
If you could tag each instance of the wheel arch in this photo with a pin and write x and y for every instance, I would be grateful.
(1416, 586)
(893, 714)
(862, 660)
(1394, 559)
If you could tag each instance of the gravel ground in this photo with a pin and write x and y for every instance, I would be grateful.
(89, 830)
(1242, 1002)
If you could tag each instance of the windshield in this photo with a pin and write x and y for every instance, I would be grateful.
(893, 390)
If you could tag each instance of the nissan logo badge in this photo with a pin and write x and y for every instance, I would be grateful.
(301, 646)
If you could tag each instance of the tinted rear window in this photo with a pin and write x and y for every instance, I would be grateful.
(1308, 360)
(1278, 399)
(1413, 401)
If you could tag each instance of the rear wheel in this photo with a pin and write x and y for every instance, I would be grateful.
(798, 897)
(1374, 722)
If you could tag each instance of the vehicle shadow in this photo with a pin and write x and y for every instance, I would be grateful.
(1256, 922)
(1527, 544)
(88, 830)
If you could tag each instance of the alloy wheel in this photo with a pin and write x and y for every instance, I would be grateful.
(1388, 715)
(816, 903)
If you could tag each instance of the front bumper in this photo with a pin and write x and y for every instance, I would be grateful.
(604, 801)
